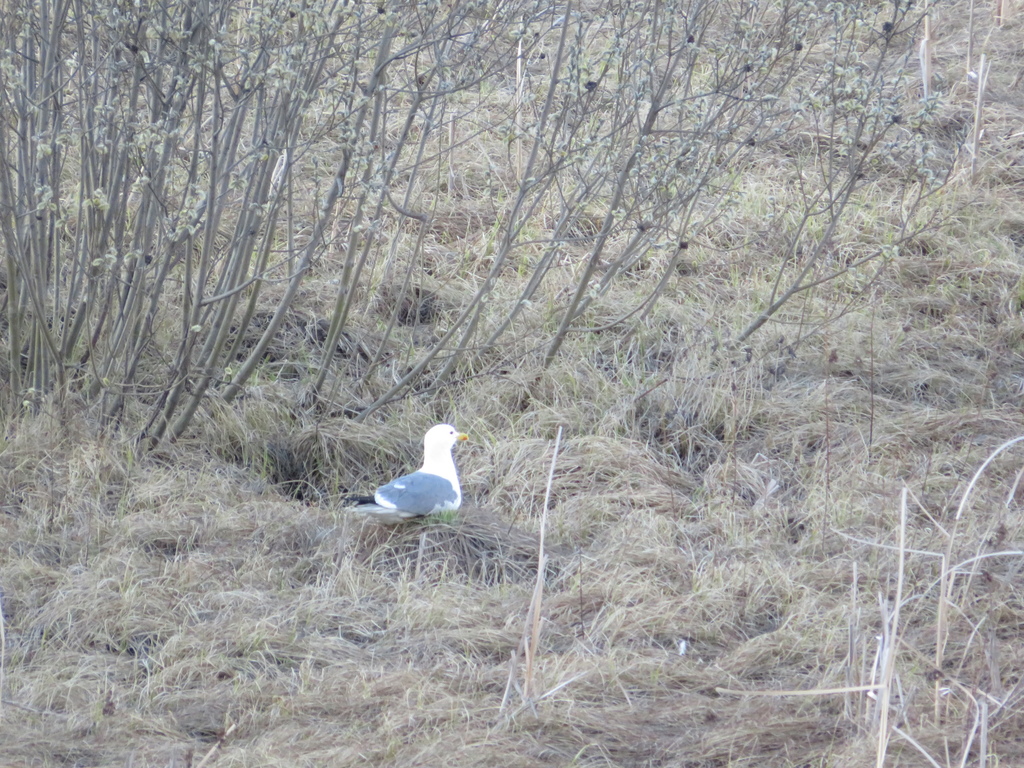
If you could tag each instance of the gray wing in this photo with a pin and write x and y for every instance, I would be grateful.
(418, 494)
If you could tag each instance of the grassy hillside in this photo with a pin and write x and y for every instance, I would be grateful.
(802, 546)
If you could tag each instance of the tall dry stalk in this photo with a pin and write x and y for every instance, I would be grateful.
(941, 624)
(531, 630)
(970, 36)
(853, 703)
(983, 722)
(3, 653)
(978, 129)
(925, 55)
(890, 635)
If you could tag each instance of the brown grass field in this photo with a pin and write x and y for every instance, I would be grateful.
(803, 550)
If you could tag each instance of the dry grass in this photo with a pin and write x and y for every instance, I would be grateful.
(726, 526)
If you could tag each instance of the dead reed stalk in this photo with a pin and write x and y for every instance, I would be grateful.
(925, 54)
(3, 654)
(970, 36)
(890, 640)
(1001, 12)
(854, 706)
(531, 630)
(979, 115)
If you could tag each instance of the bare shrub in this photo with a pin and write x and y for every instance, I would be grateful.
(631, 131)
(150, 191)
(143, 187)
(170, 181)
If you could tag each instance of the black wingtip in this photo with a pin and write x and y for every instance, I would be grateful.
(356, 500)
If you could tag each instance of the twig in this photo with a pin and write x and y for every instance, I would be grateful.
(220, 743)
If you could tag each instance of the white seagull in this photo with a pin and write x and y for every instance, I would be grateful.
(434, 487)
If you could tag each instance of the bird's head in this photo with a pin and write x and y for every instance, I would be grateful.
(443, 437)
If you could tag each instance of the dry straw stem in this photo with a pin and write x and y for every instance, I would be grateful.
(853, 706)
(1001, 11)
(925, 54)
(3, 655)
(890, 642)
(809, 692)
(978, 129)
(531, 631)
(970, 35)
